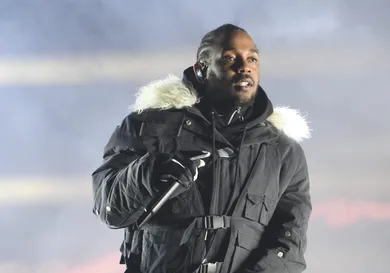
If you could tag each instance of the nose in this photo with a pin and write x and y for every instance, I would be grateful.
(244, 68)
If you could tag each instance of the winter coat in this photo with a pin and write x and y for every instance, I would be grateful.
(247, 212)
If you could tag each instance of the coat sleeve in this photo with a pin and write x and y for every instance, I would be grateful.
(121, 185)
(285, 236)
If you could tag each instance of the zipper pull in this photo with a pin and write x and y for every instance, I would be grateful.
(205, 235)
(237, 111)
(240, 117)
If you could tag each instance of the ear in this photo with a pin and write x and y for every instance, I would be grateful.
(200, 69)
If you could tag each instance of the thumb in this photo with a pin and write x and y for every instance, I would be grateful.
(199, 163)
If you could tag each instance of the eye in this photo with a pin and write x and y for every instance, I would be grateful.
(253, 60)
(228, 59)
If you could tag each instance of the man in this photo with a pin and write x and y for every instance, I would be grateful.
(245, 208)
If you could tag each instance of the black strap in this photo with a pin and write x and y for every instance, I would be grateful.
(206, 223)
(216, 222)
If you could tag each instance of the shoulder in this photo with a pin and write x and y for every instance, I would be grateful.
(289, 147)
(156, 116)
(292, 129)
(151, 122)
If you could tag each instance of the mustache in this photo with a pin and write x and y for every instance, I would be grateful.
(240, 77)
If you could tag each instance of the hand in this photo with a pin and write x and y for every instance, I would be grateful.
(170, 168)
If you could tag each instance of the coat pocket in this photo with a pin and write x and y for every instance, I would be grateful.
(162, 252)
(131, 248)
(257, 208)
(245, 244)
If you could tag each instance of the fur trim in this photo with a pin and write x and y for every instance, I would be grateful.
(164, 94)
(172, 93)
(291, 122)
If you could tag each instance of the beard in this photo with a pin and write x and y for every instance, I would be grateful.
(224, 100)
(222, 93)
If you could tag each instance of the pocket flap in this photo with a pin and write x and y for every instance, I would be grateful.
(149, 129)
(255, 199)
(247, 241)
(269, 204)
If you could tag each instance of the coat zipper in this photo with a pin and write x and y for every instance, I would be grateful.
(237, 111)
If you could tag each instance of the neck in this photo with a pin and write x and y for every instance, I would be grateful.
(227, 114)
(224, 107)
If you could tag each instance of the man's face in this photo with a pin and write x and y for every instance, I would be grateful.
(233, 74)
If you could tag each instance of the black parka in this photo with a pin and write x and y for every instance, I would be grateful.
(247, 212)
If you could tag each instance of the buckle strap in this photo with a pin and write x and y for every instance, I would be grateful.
(209, 268)
(215, 222)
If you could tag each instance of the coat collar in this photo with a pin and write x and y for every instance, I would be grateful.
(171, 92)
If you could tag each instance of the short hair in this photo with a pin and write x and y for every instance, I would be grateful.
(212, 39)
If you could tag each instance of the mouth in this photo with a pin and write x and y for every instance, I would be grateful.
(243, 84)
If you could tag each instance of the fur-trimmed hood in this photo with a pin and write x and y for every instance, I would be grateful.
(171, 92)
